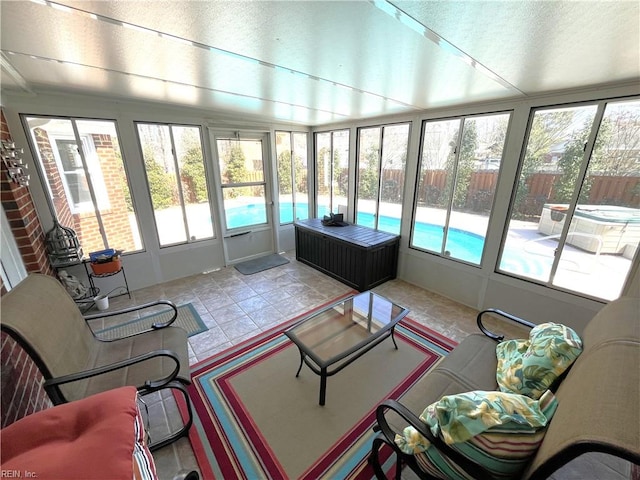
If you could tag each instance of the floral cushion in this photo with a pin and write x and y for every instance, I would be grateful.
(529, 367)
(499, 431)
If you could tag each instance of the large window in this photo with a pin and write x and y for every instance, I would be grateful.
(382, 157)
(332, 172)
(174, 165)
(458, 173)
(293, 189)
(575, 216)
(73, 174)
(86, 181)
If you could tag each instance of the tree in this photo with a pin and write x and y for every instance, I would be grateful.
(161, 183)
(570, 164)
(322, 167)
(618, 144)
(236, 165)
(193, 175)
(468, 147)
(340, 176)
(300, 170)
(368, 181)
(547, 130)
(285, 181)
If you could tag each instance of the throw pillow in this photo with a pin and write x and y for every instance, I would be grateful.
(529, 367)
(496, 430)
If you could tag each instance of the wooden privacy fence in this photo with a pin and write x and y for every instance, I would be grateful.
(609, 190)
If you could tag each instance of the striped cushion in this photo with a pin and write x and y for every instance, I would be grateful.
(501, 433)
(144, 467)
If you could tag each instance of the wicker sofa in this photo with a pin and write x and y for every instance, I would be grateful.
(597, 399)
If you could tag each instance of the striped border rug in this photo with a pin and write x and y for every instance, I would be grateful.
(253, 419)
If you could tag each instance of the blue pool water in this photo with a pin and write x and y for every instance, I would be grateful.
(460, 244)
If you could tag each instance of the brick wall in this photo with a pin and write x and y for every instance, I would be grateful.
(21, 213)
(21, 390)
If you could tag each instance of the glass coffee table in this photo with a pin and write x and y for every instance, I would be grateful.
(335, 336)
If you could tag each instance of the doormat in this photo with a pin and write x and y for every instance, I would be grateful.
(260, 264)
(188, 319)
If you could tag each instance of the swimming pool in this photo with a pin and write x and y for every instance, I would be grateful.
(461, 244)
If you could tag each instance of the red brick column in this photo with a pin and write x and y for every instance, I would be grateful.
(21, 391)
(22, 216)
(21, 381)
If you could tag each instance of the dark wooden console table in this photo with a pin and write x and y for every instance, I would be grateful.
(358, 256)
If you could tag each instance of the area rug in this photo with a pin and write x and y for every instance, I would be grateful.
(188, 319)
(260, 264)
(255, 420)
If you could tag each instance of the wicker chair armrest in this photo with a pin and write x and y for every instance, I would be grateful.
(502, 314)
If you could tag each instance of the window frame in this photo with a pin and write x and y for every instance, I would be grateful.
(589, 146)
(178, 183)
(451, 195)
(379, 170)
(332, 150)
(292, 152)
(46, 186)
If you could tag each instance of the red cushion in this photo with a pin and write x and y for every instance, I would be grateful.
(92, 438)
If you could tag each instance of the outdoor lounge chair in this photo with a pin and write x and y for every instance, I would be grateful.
(597, 400)
(44, 320)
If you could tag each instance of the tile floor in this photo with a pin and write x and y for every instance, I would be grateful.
(236, 307)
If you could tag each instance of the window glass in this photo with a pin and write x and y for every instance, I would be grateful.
(382, 156)
(291, 151)
(460, 162)
(575, 220)
(73, 171)
(285, 176)
(243, 182)
(368, 176)
(174, 165)
(323, 173)
(86, 181)
(301, 175)
(332, 172)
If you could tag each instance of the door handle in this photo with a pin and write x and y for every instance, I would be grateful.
(238, 234)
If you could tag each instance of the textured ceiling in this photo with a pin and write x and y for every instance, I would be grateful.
(313, 62)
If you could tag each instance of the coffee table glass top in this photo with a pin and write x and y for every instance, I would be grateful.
(345, 327)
